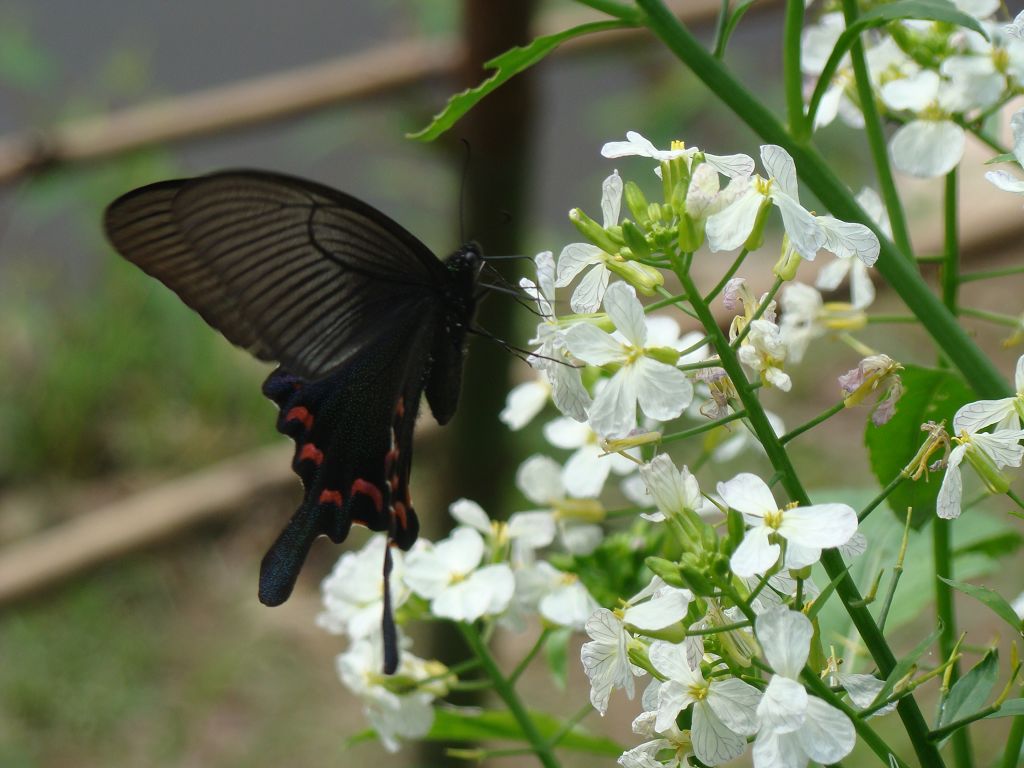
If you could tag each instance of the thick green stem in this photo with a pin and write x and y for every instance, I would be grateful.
(876, 139)
(508, 694)
(942, 550)
(832, 561)
(951, 251)
(791, 74)
(1011, 755)
(893, 263)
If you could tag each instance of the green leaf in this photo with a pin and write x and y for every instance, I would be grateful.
(971, 691)
(930, 395)
(927, 10)
(452, 724)
(904, 665)
(996, 602)
(556, 651)
(995, 546)
(1006, 157)
(1010, 708)
(508, 64)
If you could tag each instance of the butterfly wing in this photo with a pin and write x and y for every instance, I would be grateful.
(353, 449)
(293, 271)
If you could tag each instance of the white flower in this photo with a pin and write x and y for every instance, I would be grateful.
(605, 659)
(724, 709)
(645, 755)
(816, 46)
(930, 145)
(807, 530)
(1005, 181)
(987, 453)
(587, 469)
(353, 593)
(794, 728)
(539, 478)
(728, 229)
(525, 401)
(657, 606)
(805, 316)
(674, 491)
(560, 597)
(392, 716)
(862, 290)
(1005, 413)
(567, 390)
(636, 145)
(764, 351)
(662, 390)
(448, 574)
(576, 257)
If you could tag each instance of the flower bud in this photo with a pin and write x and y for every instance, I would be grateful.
(667, 355)
(619, 444)
(636, 652)
(666, 570)
(692, 571)
(593, 231)
(586, 510)
(637, 203)
(642, 277)
(635, 240)
(995, 481)
(756, 237)
(788, 264)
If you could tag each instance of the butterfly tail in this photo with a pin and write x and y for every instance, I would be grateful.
(281, 565)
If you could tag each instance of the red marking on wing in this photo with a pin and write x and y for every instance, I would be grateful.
(300, 413)
(310, 452)
(400, 408)
(328, 496)
(368, 489)
(399, 509)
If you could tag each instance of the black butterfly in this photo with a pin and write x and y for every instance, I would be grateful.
(360, 316)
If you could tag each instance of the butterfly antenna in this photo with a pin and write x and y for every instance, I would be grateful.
(524, 301)
(519, 352)
(512, 257)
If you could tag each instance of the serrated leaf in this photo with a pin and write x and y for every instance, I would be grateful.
(556, 652)
(995, 602)
(508, 64)
(929, 395)
(971, 691)
(452, 724)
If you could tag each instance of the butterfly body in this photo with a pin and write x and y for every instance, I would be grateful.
(361, 317)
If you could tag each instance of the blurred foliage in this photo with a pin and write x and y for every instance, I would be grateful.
(110, 370)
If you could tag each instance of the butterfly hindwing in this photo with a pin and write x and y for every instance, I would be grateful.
(353, 451)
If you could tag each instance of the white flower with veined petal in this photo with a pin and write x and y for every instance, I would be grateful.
(1006, 181)
(728, 229)
(605, 659)
(552, 357)
(661, 390)
(646, 755)
(448, 574)
(724, 709)
(576, 257)
(987, 452)
(675, 491)
(931, 145)
(807, 530)
(794, 728)
(1005, 413)
(587, 469)
(657, 606)
(862, 290)
(353, 593)
(636, 145)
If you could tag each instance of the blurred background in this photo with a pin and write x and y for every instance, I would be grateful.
(141, 478)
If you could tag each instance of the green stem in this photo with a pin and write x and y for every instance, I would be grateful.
(508, 694)
(942, 551)
(893, 264)
(992, 317)
(791, 75)
(951, 263)
(571, 723)
(823, 416)
(892, 319)
(720, 286)
(989, 274)
(873, 504)
(832, 561)
(721, 27)
(1011, 755)
(876, 140)
(692, 432)
(668, 301)
(529, 657)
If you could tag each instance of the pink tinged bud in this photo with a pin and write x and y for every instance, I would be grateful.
(732, 297)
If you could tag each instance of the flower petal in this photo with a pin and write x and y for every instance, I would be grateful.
(613, 413)
(821, 525)
(611, 199)
(947, 505)
(540, 479)
(592, 345)
(524, 402)
(749, 494)
(755, 554)
(780, 167)
(573, 259)
(587, 297)
(626, 311)
(828, 735)
(927, 148)
(785, 638)
(735, 703)
(713, 741)
(728, 229)
(472, 514)
(662, 390)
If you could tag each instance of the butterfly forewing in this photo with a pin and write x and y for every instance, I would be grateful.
(295, 272)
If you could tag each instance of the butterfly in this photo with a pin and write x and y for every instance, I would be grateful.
(360, 316)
